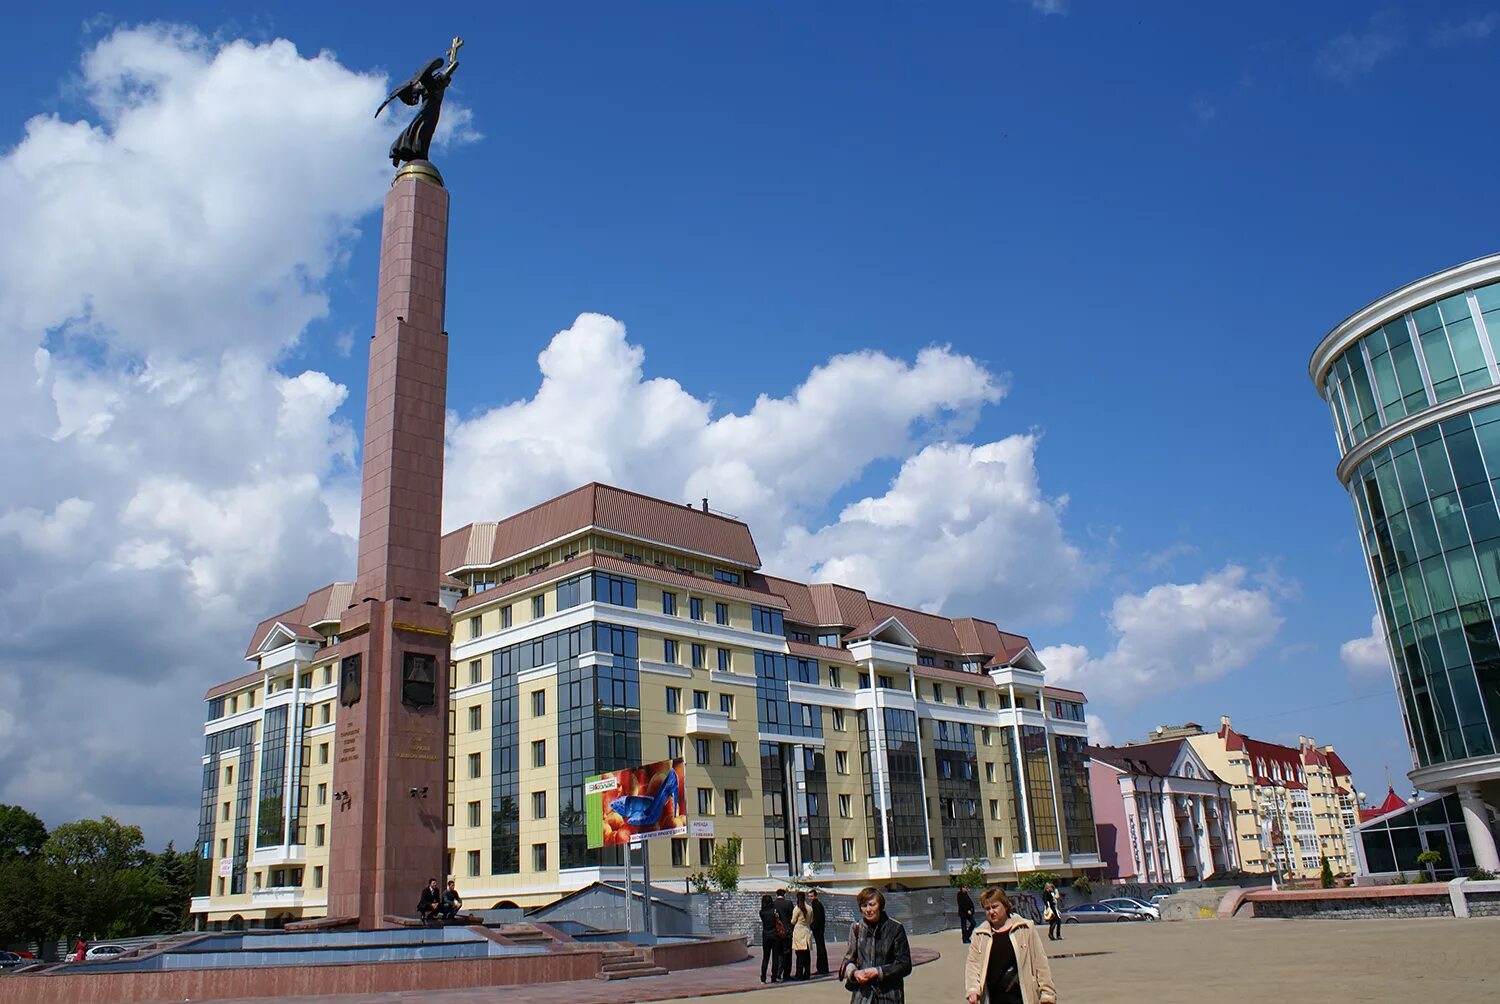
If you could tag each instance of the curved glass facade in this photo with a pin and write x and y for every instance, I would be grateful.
(1427, 510)
(1425, 357)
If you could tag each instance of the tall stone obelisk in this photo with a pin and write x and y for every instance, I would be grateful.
(388, 832)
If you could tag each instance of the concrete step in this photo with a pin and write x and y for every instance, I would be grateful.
(631, 971)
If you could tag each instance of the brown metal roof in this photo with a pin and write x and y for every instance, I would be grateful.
(821, 652)
(238, 683)
(321, 606)
(668, 523)
(1150, 759)
(1064, 694)
(619, 566)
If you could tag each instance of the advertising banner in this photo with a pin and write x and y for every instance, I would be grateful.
(637, 803)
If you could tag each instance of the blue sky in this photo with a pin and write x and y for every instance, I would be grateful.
(1137, 222)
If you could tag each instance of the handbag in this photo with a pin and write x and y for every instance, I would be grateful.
(850, 983)
(1049, 915)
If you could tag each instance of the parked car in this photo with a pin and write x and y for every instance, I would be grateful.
(1128, 904)
(10, 960)
(1097, 913)
(103, 952)
(1160, 899)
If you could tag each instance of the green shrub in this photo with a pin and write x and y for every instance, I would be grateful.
(1326, 878)
(1037, 881)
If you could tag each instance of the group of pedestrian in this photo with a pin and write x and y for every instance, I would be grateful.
(439, 904)
(789, 930)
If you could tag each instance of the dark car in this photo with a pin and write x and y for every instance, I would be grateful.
(10, 960)
(1095, 913)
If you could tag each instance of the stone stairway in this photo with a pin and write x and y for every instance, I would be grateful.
(625, 964)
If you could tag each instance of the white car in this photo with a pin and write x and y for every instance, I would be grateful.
(1129, 904)
(102, 952)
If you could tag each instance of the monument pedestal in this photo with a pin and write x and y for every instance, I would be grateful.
(388, 829)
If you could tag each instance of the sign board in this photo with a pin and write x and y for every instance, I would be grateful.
(637, 803)
(701, 828)
(226, 867)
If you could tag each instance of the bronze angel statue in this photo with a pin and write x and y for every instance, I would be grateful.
(427, 86)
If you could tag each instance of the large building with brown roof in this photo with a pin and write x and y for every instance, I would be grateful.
(841, 739)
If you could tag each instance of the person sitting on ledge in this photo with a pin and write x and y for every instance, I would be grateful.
(452, 902)
(431, 903)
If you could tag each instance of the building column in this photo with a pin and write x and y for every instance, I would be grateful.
(1477, 821)
(1174, 866)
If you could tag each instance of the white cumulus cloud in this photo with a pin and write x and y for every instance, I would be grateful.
(1367, 658)
(1098, 731)
(1172, 635)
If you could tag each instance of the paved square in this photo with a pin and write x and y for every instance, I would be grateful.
(1265, 961)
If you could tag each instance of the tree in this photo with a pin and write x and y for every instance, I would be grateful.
(1326, 878)
(1037, 881)
(91, 864)
(723, 874)
(970, 876)
(22, 834)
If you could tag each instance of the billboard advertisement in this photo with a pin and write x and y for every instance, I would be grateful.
(637, 803)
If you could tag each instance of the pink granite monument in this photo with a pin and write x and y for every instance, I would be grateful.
(388, 831)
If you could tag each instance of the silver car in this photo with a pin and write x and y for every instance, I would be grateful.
(1096, 913)
(1129, 904)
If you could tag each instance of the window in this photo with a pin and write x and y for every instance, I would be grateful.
(322, 796)
(473, 627)
(731, 801)
(937, 692)
(539, 753)
(679, 852)
(669, 604)
(721, 613)
(698, 651)
(505, 615)
(538, 606)
(317, 876)
(841, 762)
(538, 805)
(984, 734)
(476, 717)
(700, 750)
(674, 700)
(733, 578)
(669, 651)
(705, 801)
(476, 672)
(958, 694)
(845, 806)
(229, 775)
(983, 701)
(847, 846)
(999, 853)
(829, 640)
(886, 683)
(864, 681)
(833, 677)
(320, 833)
(474, 765)
(989, 771)
(727, 749)
(705, 851)
(994, 808)
(538, 857)
(838, 718)
(926, 660)
(700, 700)
(767, 621)
(538, 703)
(325, 713)
(695, 608)
(726, 704)
(723, 660)
(674, 747)
(473, 864)
(615, 590)
(474, 814)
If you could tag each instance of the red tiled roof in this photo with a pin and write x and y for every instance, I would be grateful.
(1337, 765)
(1150, 759)
(614, 509)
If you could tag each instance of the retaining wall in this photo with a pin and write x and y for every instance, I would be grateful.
(1460, 898)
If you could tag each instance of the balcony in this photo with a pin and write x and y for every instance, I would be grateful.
(703, 722)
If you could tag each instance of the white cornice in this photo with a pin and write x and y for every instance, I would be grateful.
(1413, 423)
(1409, 297)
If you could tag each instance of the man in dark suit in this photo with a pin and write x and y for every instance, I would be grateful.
(784, 949)
(965, 913)
(431, 901)
(819, 919)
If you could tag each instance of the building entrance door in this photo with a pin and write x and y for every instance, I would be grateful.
(1437, 838)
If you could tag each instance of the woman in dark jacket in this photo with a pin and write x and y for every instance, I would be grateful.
(878, 958)
(769, 939)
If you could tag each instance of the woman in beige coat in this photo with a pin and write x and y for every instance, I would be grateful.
(1007, 963)
(802, 936)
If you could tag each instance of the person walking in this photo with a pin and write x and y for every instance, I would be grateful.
(819, 919)
(1053, 912)
(965, 914)
(802, 936)
(784, 940)
(1007, 963)
(878, 958)
(770, 941)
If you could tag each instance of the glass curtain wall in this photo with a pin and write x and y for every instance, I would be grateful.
(270, 817)
(957, 763)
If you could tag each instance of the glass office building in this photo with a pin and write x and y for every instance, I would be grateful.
(1413, 388)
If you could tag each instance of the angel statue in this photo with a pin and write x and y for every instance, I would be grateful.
(428, 87)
